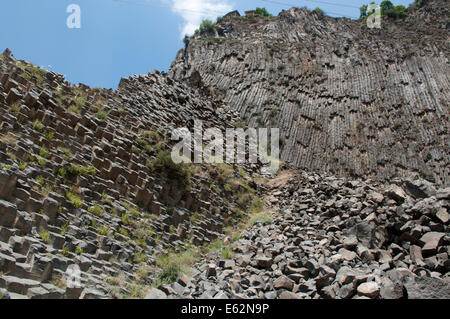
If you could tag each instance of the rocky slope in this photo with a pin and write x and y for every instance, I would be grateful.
(349, 100)
(334, 238)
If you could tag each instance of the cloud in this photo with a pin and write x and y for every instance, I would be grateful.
(194, 11)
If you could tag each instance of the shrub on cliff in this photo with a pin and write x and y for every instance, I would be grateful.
(319, 11)
(395, 12)
(163, 163)
(207, 26)
(263, 13)
(387, 9)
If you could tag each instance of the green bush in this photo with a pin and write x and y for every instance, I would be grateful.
(96, 210)
(102, 115)
(207, 26)
(319, 11)
(226, 253)
(387, 9)
(76, 201)
(45, 235)
(75, 170)
(363, 12)
(386, 5)
(163, 163)
(169, 274)
(140, 258)
(37, 125)
(263, 13)
(261, 218)
(395, 12)
(78, 250)
(43, 152)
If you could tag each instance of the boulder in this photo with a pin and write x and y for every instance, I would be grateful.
(431, 241)
(155, 293)
(427, 288)
(369, 289)
(8, 213)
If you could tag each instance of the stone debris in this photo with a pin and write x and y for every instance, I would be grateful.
(322, 246)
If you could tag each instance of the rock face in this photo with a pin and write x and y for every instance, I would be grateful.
(348, 100)
(85, 180)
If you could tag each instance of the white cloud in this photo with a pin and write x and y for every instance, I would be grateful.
(194, 11)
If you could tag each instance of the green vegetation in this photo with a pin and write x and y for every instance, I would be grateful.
(319, 11)
(15, 108)
(78, 250)
(43, 152)
(226, 253)
(142, 272)
(65, 150)
(114, 281)
(123, 232)
(387, 9)
(140, 258)
(30, 70)
(263, 218)
(49, 134)
(136, 290)
(163, 163)
(256, 206)
(96, 210)
(59, 282)
(207, 26)
(102, 115)
(23, 166)
(194, 218)
(76, 201)
(11, 155)
(64, 229)
(417, 3)
(65, 251)
(262, 12)
(62, 172)
(239, 124)
(39, 160)
(79, 103)
(169, 273)
(45, 235)
(173, 264)
(40, 180)
(37, 125)
(45, 190)
(103, 230)
(75, 170)
(125, 219)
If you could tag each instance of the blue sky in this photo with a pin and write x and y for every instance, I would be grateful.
(119, 38)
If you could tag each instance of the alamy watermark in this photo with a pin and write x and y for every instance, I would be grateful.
(74, 19)
(374, 16)
(237, 146)
(73, 274)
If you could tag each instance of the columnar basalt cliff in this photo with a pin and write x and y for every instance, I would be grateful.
(349, 100)
(86, 179)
